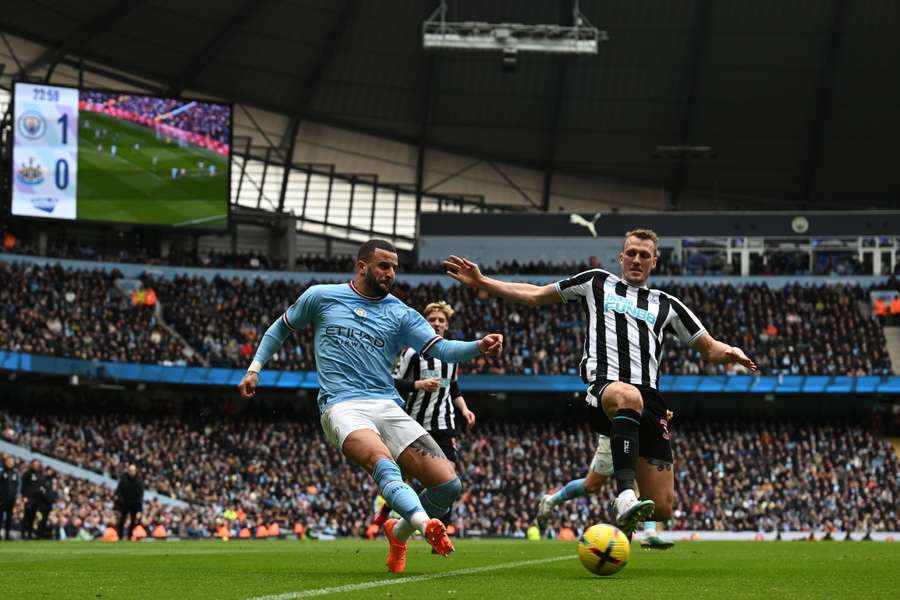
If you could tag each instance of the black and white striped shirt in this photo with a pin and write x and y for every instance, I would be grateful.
(626, 326)
(433, 410)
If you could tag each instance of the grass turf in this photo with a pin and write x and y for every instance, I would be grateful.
(127, 188)
(242, 570)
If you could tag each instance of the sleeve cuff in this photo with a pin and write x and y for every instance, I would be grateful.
(696, 336)
(430, 343)
(559, 291)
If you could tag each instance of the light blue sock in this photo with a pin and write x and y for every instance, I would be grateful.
(573, 489)
(650, 526)
(438, 500)
(394, 490)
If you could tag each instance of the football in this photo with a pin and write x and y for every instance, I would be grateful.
(604, 549)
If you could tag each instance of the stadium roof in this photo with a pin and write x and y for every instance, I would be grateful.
(800, 100)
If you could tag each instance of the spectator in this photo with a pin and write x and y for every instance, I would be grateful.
(129, 500)
(737, 475)
(9, 491)
(35, 490)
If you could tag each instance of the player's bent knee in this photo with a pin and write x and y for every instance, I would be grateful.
(624, 395)
(438, 499)
(593, 486)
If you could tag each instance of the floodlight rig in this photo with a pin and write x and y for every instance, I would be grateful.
(511, 38)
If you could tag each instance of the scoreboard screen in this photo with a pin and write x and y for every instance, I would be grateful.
(92, 155)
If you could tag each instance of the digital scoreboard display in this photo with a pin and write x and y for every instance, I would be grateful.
(91, 155)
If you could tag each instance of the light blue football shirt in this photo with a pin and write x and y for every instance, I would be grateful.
(357, 340)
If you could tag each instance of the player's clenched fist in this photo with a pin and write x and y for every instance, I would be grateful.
(247, 386)
(491, 344)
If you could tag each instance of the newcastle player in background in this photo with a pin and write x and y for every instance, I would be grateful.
(430, 389)
(625, 324)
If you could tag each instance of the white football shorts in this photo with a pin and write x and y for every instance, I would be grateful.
(397, 429)
(602, 463)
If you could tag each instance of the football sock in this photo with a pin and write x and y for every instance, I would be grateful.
(650, 526)
(623, 435)
(438, 499)
(573, 489)
(397, 493)
(405, 528)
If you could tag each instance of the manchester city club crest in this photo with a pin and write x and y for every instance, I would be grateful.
(30, 173)
(31, 125)
(360, 312)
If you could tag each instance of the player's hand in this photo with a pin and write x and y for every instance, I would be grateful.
(429, 385)
(247, 386)
(469, 416)
(736, 355)
(463, 270)
(491, 344)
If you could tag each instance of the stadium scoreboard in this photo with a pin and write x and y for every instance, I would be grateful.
(94, 155)
(45, 153)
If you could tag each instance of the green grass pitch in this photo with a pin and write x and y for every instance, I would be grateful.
(126, 187)
(281, 570)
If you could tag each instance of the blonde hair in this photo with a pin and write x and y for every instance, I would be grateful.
(644, 234)
(441, 306)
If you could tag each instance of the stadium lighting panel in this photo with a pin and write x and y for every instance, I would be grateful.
(511, 38)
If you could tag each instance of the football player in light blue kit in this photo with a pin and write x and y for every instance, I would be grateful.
(359, 330)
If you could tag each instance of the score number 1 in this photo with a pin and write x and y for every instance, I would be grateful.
(61, 177)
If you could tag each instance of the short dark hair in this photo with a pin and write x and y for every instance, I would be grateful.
(367, 249)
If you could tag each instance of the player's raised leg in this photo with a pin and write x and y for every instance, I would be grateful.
(424, 460)
(624, 406)
(365, 448)
(589, 485)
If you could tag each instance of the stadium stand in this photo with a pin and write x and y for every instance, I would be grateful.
(789, 474)
(816, 330)
(80, 314)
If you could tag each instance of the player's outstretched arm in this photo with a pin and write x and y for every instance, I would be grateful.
(714, 351)
(268, 346)
(468, 273)
(456, 351)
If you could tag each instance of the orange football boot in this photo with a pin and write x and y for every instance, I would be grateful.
(436, 534)
(396, 558)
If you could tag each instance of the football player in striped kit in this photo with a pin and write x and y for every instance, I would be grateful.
(625, 326)
(431, 391)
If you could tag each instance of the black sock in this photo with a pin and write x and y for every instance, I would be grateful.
(623, 435)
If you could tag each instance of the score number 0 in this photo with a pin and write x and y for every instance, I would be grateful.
(61, 176)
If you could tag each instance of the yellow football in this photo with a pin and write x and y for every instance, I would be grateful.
(603, 549)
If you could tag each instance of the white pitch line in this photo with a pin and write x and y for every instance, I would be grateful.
(355, 587)
(202, 220)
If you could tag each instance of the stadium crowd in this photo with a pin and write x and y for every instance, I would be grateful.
(818, 330)
(772, 263)
(794, 330)
(80, 314)
(744, 476)
(77, 250)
